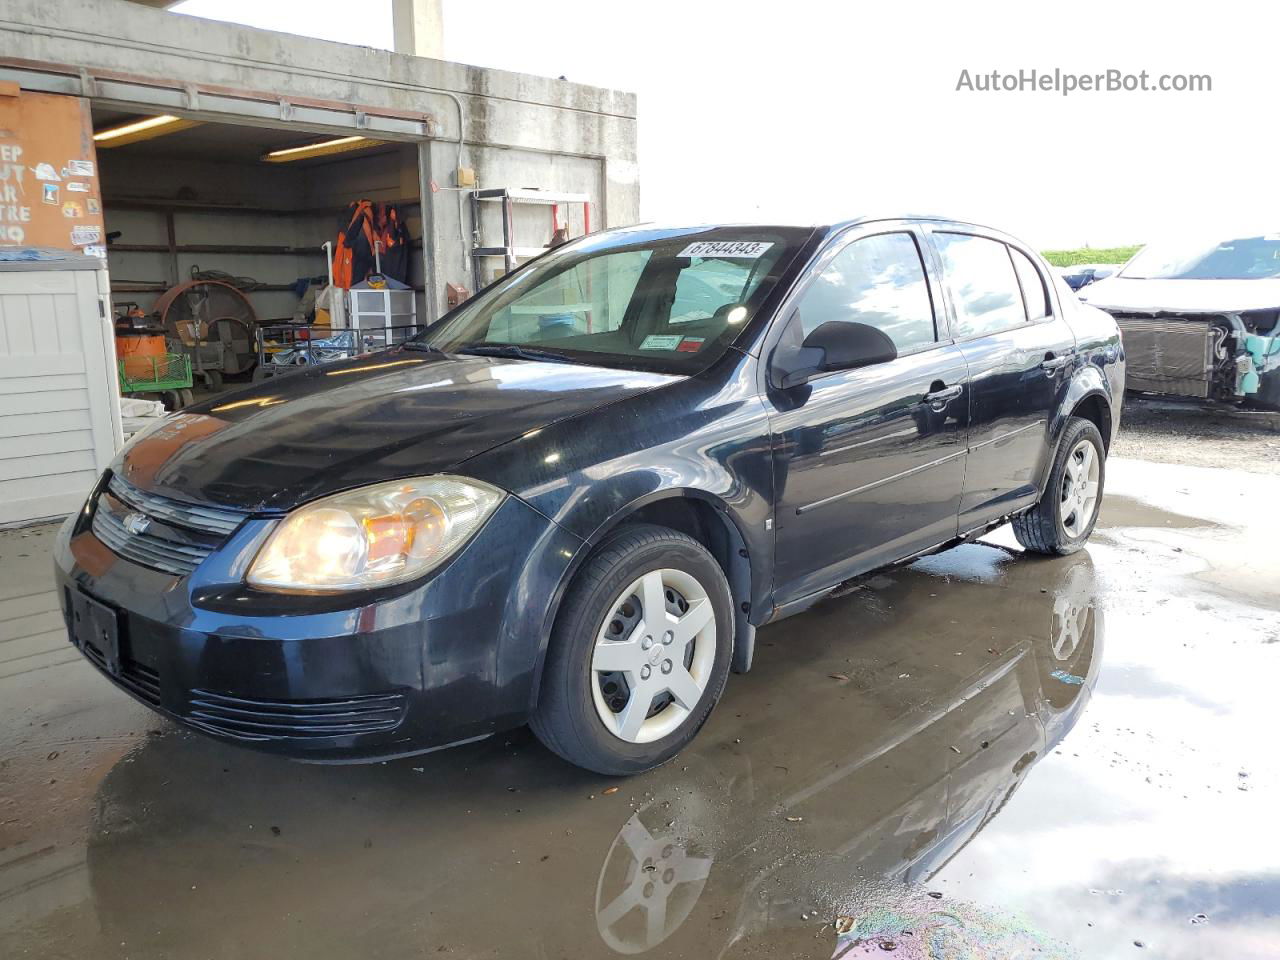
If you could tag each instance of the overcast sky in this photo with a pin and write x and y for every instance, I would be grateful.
(820, 111)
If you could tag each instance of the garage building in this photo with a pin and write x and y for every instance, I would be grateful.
(227, 157)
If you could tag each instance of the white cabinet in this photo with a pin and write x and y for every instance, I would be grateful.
(59, 396)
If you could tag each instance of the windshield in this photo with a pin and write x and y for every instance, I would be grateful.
(1241, 258)
(638, 299)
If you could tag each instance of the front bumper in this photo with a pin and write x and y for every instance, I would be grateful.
(333, 679)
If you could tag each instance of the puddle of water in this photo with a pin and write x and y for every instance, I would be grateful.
(926, 733)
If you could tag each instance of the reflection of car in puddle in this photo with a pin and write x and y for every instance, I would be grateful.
(660, 884)
(494, 851)
(886, 810)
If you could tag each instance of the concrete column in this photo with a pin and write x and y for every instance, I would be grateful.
(418, 27)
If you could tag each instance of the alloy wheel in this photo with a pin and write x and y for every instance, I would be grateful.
(1079, 489)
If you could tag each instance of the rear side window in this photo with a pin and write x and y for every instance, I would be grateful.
(878, 281)
(984, 288)
(1034, 293)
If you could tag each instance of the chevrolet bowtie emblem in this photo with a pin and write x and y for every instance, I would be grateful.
(136, 523)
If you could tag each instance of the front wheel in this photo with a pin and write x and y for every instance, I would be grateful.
(639, 653)
(1063, 518)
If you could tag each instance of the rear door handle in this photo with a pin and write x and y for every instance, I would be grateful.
(1052, 364)
(943, 395)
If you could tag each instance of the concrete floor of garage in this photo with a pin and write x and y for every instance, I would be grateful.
(989, 751)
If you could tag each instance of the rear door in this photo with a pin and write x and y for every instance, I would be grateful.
(869, 463)
(1019, 351)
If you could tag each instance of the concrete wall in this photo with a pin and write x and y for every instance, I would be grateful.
(518, 130)
(515, 168)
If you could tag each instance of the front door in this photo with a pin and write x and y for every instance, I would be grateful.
(1019, 351)
(869, 462)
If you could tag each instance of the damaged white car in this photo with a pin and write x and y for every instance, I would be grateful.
(1200, 317)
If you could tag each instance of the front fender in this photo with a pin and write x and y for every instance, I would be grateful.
(747, 555)
(703, 438)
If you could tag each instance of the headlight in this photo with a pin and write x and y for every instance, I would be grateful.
(379, 535)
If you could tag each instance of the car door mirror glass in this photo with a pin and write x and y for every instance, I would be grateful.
(834, 345)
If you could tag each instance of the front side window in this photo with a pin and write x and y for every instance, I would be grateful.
(984, 288)
(878, 281)
(665, 301)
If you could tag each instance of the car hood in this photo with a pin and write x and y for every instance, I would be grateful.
(343, 425)
(1200, 296)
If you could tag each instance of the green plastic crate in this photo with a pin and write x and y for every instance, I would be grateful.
(169, 371)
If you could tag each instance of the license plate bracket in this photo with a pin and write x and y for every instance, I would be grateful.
(97, 624)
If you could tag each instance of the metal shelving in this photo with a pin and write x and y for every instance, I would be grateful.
(508, 197)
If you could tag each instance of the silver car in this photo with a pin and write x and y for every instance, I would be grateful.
(1200, 317)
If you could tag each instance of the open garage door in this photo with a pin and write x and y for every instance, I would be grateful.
(216, 231)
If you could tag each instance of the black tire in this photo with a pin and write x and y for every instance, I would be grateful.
(1040, 529)
(213, 380)
(565, 719)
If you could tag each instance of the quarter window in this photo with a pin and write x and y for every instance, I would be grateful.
(878, 281)
(984, 289)
(1034, 292)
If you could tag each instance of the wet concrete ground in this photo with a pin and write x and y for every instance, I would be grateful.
(983, 755)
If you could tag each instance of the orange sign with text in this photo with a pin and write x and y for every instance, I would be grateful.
(50, 196)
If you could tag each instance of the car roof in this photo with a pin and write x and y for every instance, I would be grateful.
(832, 226)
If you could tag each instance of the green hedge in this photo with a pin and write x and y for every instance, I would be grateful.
(1069, 258)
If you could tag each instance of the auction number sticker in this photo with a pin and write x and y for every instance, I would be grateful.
(727, 249)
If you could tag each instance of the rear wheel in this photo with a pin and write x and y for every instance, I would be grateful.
(1064, 517)
(639, 653)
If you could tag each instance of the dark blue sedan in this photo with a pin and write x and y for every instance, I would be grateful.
(572, 501)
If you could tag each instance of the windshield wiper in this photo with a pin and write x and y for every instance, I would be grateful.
(423, 347)
(515, 352)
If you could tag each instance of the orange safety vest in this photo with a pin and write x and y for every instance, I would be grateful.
(360, 224)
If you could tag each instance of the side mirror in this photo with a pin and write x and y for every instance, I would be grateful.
(835, 345)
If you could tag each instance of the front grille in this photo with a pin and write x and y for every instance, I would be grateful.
(138, 678)
(189, 515)
(246, 719)
(177, 537)
(147, 550)
(142, 680)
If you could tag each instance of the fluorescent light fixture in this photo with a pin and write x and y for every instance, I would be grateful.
(144, 129)
(321, 148)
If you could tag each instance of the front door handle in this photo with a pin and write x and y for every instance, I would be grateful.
(940, 397)
(1052, 364)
